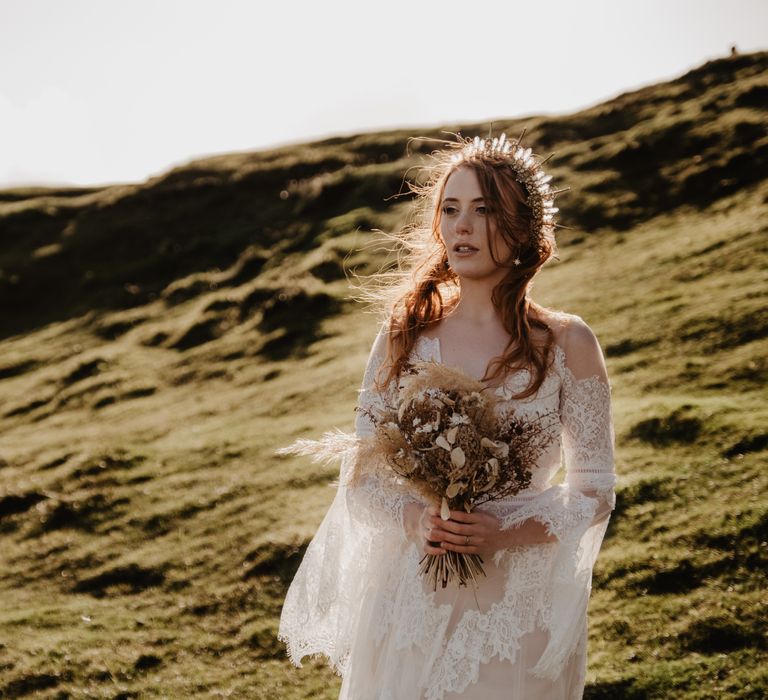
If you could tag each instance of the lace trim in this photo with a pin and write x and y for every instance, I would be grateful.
(513, 382)
(417, 620)
(585, 412)
(479, 637)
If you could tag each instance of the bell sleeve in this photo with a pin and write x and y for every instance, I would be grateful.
(377, 500)
(578, 510)
(361, 533)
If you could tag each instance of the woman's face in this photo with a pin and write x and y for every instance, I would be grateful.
(467, 229)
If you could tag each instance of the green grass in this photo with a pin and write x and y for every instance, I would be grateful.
(148, 531)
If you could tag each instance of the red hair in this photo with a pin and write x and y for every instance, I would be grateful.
(423, 288)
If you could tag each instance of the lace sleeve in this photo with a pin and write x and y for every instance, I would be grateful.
(577, 511)
(587, 497)
(586, 416)
(377, 500)
(360, 536)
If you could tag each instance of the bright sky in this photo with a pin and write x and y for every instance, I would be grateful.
(97, 91)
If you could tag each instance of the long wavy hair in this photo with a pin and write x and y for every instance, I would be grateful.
(422, 289)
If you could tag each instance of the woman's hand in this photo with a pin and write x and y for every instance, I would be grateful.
(417, 519)
(484, 532)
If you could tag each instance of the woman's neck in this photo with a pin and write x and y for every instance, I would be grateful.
(474, 305)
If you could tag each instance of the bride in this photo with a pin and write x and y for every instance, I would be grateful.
(462, 298)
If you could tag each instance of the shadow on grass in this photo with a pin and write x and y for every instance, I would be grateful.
(624, 689)
(277, 560)
(129, 578)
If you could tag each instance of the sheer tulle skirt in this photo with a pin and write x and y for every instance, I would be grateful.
(392, 666)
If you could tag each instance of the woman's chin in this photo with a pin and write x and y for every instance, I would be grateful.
(474, 272)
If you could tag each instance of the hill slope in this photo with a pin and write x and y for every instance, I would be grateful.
(156, 349)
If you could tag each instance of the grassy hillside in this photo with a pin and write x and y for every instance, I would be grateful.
(158, 341)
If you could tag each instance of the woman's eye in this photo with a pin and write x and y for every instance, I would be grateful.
(450, 210)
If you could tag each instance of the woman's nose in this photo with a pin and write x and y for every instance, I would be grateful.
(464, 222)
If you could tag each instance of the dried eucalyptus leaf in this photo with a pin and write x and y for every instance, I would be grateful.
(454, 489)
(442, 442)
(445, 511)
(452, 434)
(457, 457)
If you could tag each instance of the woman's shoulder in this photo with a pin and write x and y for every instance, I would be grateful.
(579, 357)
(565, 326)
(576, 344)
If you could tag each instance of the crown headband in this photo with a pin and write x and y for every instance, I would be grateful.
(541, 197)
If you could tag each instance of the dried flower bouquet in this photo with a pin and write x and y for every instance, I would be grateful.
(443, 435)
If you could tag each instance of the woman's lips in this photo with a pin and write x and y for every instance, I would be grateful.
(464, 253)
(464, 249)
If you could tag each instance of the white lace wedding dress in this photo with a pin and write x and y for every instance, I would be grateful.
(522, 634)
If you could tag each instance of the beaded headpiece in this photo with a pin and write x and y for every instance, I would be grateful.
(541, 197)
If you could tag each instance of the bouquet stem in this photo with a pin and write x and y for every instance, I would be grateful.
(451, 566)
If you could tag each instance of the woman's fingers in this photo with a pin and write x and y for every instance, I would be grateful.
(441, 536)
(464, 517)
(431, 543)
(437, 534)
(429, 549)
(451, 526)
(463, 549)
(458, 539)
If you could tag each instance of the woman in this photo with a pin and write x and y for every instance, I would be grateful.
(462, 300)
